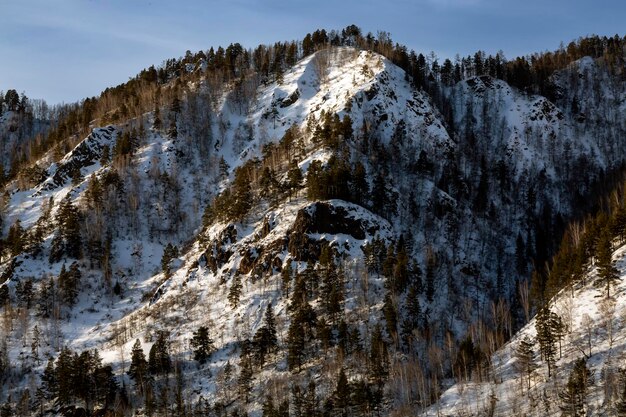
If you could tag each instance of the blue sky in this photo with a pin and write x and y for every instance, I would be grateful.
(65, 50)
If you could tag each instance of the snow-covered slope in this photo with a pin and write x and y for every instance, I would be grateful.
(366, 86)
(595, 330)
(465, 188)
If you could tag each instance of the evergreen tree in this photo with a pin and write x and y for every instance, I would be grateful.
(15, 238)
(268, 407)
(138, 370)
(294, 178)
(169, 253)
(607, 273)
(546, 338)
(296, 341)
(391, 316)
(68, 219)
(234, 292)
(574, 396)
(524, 357)
(24, 293)
(378, 358)
(286, 275)
(359, 184)
(265, 340)
(341, 396)
(246, 373)
(159, 361)
(69, 283)
(49, 381)
(202, 344)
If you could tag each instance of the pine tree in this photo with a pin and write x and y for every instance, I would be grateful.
(268, 407)
(24, 293)
(49, 381)
(524, 357)
(286, 275)
(341, 396)
(265, 340)
(378, 359)
(574, 396)
(138, 370)
(69, 281)
(294, 178)
(391, 316)
(296, 341)
(68, 219)
(246, 373)
(607, 273)
(156, 123)
(234, 293)
(169, 253)
(202, 344)
(15, 238)
(546, 338)
(159, 361)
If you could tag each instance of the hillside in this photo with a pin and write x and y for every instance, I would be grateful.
(323, 239)
(594, 331)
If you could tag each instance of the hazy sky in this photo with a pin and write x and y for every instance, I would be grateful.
(65, 50)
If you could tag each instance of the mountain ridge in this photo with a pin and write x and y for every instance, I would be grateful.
(433, 172)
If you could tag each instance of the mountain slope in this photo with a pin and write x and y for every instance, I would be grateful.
(595, 331)
(416, 214)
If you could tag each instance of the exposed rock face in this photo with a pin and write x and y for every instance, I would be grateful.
(216, 254)
(325, 218)
(84, 155)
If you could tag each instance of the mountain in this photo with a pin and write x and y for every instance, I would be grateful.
(593, 336)
(325, 227)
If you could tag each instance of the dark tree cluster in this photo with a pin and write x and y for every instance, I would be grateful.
(75, 377)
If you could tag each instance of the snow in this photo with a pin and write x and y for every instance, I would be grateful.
(375, 94)
(573, 305)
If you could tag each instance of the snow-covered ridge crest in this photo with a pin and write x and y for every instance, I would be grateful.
(364, 85)
(85, 154)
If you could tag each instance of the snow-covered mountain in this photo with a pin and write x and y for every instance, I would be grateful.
(434, 204)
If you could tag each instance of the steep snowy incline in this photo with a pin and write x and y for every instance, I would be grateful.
(369, 88)
(595, 330)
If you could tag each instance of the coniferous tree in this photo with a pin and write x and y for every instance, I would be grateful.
(15, 238)
(265, 339)
(202, 344)
(68, 284)
(138, 370)
(378, 357)
(607, 273)
(49, 381)
(524, 357)
(431, 264)
(390, 314)
(296, 340)
(234, 292)
(286, 275)
(294, 178)
(159, 361)
(341, 396)
(246, 373)
(169, 253)
(546, 338)
(68, 219)
(574, 396)
(25, 293)
(268, 407)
